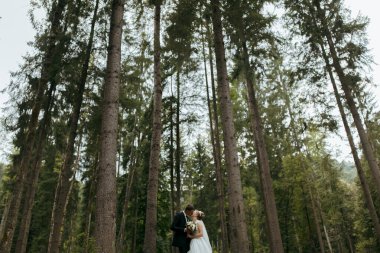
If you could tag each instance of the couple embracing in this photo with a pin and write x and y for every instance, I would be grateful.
(190, 234)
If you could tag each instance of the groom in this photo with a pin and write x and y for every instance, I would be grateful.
(180, 239)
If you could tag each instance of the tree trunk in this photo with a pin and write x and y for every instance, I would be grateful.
(128, 190)
(62, 192)
(298, 145)
(134, 235)
(105, 226)
(171, 164)
(5, 212)
(29, 194)
(327, 238)
(87, 226)
(239, 235)
(178, 146)
(358, 165)
(90, 205)
(171, 161)
(9, 224)
(349, 240)
(215, 141)
(346, 83)
(275, 240)
(323, 224)
(299, 246)
(317, 225)
(312, 238)
(154, 161)
(128, 186)
(133, 164)
(33, 174)
(346, 231)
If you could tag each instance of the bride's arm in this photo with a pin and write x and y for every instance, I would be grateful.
(199, 232)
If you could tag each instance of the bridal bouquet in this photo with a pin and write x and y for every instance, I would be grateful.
(191, 226)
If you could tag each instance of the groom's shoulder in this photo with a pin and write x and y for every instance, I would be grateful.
(178, 213)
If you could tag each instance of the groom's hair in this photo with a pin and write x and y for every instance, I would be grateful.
(189, 207)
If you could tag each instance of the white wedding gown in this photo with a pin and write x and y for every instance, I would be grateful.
(202, 244)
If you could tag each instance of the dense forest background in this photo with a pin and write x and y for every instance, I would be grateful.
(126, 111)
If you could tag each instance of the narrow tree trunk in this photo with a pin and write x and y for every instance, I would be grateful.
(317, 225)
(299, 147)
(349, 240)
(62, 192)
(88, 231)
(299, 246)
(215, 141)
(312, 238)
(171, 164)
(346, 83)
(327, 238)
(171, 159)
(31, 184)
(44, 127)
(71, 236)
(120, 144)
(128, 189)
(88, 228)
(90, 205)
(358, 165)
(275, 240)
(31, 181)
(346, 231)
(289, 193)
(9, 224)
(9, 221)
(324, 226)
(239, 235)
(5, 213)
(178, 146)
(154, 161)
(105, 227)
(134, 235)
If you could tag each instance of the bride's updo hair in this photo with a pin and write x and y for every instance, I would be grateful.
(200, 215)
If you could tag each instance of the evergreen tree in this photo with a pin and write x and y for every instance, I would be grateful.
(105, 225)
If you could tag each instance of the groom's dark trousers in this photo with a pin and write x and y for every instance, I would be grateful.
(180, 239)
(183, 250)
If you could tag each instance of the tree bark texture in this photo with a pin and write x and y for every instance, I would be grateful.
(154, 161)
(105, 214)
(239, 235)
(171, 161)
(178, 145)
(215, 141)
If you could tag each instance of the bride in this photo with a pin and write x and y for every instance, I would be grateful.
(200, 242)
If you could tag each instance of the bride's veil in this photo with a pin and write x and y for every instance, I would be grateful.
(205, 235)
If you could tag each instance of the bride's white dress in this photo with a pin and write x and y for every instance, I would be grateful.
(202, 244)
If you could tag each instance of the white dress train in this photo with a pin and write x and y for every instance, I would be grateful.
(201, 244)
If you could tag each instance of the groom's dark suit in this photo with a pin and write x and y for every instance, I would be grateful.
(180, 239)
